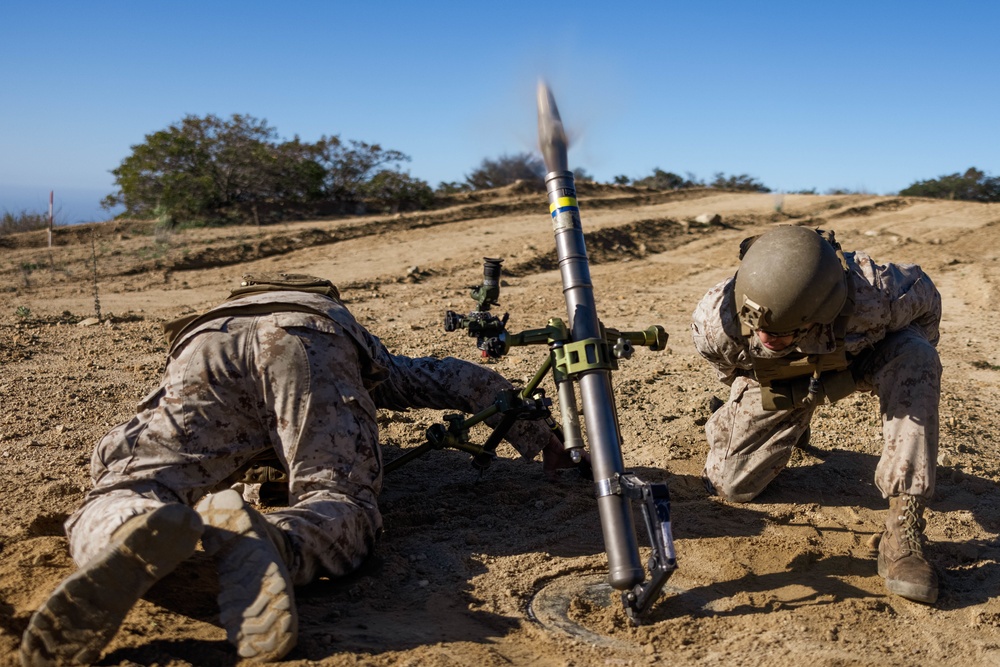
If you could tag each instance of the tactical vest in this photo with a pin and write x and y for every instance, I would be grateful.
(254, 284)
(799, 380)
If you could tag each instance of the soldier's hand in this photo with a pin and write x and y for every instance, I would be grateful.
(556, 458)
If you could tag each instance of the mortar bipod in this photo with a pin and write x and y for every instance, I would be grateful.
(655, 503)
(509, 404)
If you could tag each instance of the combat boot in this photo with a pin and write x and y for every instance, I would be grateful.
(256, 599)
(900, 551)
(85, 611)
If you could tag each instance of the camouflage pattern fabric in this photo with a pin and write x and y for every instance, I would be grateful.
(894, 328)
(300, 384)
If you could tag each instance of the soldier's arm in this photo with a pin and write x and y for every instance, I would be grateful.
(714, 334)
(450, 384)
(913, 300)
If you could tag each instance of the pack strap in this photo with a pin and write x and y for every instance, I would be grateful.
(174, 330)
(259, 283)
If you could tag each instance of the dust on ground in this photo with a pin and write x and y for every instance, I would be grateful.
(506, 569)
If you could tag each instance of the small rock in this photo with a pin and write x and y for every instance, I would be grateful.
(89, 322)
(423, 583)
(708, 219)
(944, 459)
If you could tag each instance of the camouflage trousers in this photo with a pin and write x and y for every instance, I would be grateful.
(749, 446)
(237, 387)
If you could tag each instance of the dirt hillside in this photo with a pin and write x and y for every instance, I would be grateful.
(507, 569)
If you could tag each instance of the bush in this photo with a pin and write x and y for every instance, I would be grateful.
(25, 221)
(741, 182)
(451, 187)
(506, 170)
(668, 180)
(846, 191)
(664, 180)
(973, 185)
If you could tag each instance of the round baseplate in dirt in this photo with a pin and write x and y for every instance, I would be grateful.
(550, 607)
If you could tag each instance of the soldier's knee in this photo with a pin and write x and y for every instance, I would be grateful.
(924, 354)
(729, 490)
(735, 495)
(918, 352)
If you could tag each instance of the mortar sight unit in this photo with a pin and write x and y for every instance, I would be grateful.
(481, 324)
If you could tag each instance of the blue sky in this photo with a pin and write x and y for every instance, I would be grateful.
(861, 95)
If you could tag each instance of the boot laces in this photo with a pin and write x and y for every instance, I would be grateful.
(912, 525)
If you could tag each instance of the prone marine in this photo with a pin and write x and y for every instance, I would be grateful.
(280, 370)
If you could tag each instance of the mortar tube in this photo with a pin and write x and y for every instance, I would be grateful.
(617, 524)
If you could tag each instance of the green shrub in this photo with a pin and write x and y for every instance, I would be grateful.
(973, 185)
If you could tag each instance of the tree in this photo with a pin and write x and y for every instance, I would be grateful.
(217, 170)
(201, 167)
(505, 170)
(349, 167)
(392, 191)
(622, 179)
(973, 185)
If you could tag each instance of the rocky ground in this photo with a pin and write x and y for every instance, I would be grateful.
(507, 568)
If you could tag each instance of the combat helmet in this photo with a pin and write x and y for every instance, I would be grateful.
(790, 277)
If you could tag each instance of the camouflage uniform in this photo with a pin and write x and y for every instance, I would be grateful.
(892, 335)
(303, 385)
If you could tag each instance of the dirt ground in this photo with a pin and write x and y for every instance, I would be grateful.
(507, 569)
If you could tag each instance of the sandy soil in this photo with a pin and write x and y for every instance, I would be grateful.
(507, 569)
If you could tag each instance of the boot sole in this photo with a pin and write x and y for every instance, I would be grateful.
(85, 611)
(906, 589)
(256, 598)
